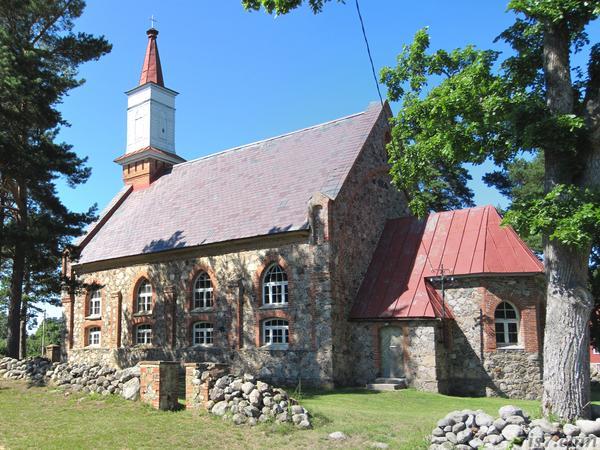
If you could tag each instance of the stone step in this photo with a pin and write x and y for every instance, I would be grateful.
(391, 380)
(385, 386)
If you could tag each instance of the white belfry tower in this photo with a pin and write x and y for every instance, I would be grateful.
(150, 148)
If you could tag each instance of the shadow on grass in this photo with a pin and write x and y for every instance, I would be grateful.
(315, 393)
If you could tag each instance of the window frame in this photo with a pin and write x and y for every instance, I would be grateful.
(207, 330)
(505, 323)
(93, 302)
(94, 332)
(144, 326)
(207, 293)
(148, 297)
(268, 287)
(268, 327)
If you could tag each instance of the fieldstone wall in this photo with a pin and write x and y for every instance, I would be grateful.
(423, 367)
(475, 366)
(358, 215)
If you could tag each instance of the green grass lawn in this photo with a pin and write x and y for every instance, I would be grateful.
(46, 418)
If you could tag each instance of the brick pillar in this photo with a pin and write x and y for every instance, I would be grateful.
(170, 315)
(113, 331)
(68, 302)
(159, 384)
(199, 380)
(53, 353)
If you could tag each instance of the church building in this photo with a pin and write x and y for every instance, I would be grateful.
(296, 259)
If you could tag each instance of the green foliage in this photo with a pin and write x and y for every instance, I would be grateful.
(53, 330)
(284, 6)
(567, 213)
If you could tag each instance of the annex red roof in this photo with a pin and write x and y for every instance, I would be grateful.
(151, 70)
(410, 252)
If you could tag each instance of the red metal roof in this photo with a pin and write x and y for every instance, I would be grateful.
(151, 70)
(465, 242)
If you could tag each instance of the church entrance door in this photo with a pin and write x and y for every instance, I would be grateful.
(392, 361)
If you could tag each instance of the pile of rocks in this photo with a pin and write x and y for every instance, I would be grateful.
(74, 377)
(96, 378)
(466, 429)
(32, 370)
(250, 401)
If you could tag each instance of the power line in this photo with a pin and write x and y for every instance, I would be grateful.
(362, 25)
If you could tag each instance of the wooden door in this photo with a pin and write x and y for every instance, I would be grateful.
(392, 361)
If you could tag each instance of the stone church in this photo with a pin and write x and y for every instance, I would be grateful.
(296, 259)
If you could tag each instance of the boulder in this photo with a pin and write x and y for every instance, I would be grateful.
(463, 437)
(588, 426)
(512, 431)
(499, 424)
(483, 419)
(571, 430)
(255, 398)
(337, 436)
(220, 408)
(545, 425)
(247, 387)
(515, 420)
(131, 389)
(510, 410)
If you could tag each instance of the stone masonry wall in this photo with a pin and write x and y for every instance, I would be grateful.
(475, 366)
(358, 214)
(236, 315)
(420, 338)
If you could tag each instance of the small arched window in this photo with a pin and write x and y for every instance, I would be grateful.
(506, 320)
(202, 333)
(276, 332)
(203, 291)
(143, 334)
(275, 286)
(95, 302)
(144, 297)
(94, 337)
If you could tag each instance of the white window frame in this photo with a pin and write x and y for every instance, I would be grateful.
(144, 299)
(595, 352)
(505, 324)
(275, 292)
(203, 334)
(203, 295)
(94, 337)
(95, 305)
(145, 332)
(273, 328)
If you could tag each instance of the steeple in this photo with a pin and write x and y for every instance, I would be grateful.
(151, 70)
(150, 151)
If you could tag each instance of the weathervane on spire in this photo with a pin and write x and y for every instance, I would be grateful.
(153, 21)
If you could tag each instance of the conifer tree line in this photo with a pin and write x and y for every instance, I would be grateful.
(40, 53)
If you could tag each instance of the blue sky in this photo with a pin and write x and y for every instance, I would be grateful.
(244, 76)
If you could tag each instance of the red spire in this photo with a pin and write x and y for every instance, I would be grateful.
(151, 70)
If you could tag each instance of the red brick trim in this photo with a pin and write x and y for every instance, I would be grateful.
(375, 333)
(199, 268)
(528, 326)
(203, 317)
(88, 295)
(141, 319)
(274, 313)
(257, 279)
(139, 278)
(87, 325)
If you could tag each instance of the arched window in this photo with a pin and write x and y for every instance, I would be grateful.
(202, 333)
(144, 297)
(95, 302)
(94, 337)
(507, 324)
(276, 332)
(143, 334)
(203, 291)
(275, 286)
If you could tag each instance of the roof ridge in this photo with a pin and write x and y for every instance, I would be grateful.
(279, 136)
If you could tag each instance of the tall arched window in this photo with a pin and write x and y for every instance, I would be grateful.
(94, 337)
(95, 302)
(276, 332)
(202, 333)
(144, 297)
(275, 286)
(203, 291)
(506, 320)
(143, 334)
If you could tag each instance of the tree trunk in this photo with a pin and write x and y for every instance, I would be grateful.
(569, 301)
(23, 331)
(18, 273)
